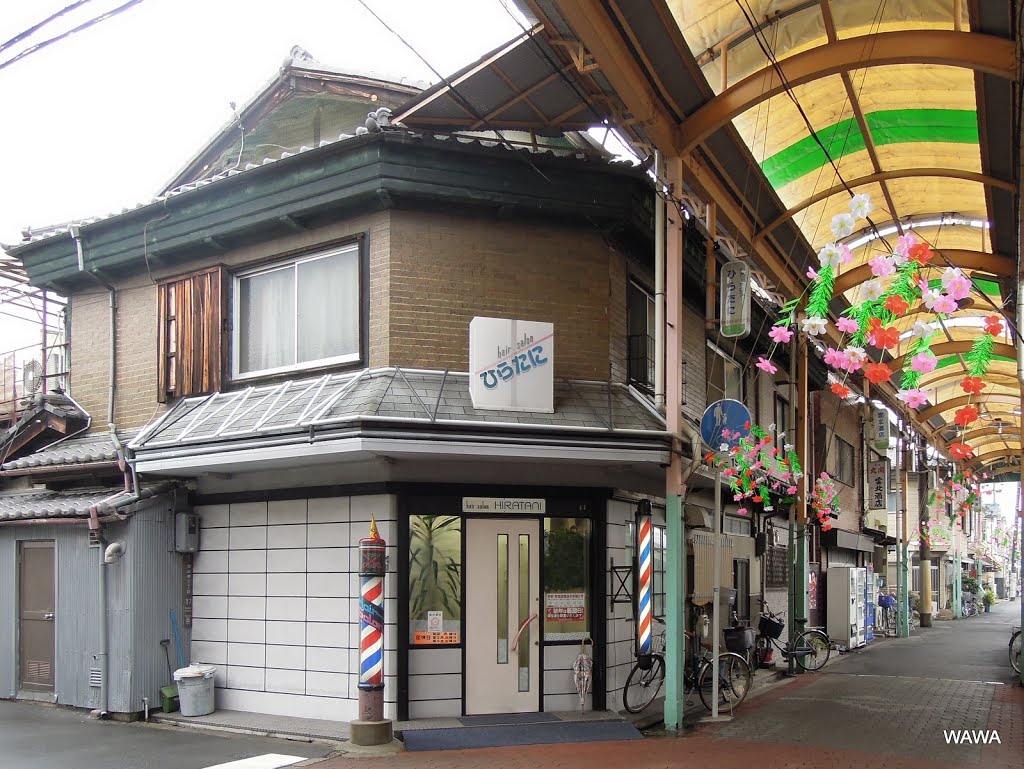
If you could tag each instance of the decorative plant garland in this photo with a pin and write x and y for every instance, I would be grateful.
(763, 473)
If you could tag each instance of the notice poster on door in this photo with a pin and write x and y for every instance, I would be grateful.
(565, 607)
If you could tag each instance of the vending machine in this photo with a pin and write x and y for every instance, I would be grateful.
(869, 605)
(846, 616)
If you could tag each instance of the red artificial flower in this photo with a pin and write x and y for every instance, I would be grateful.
(884, 338)
(966, 415)
(746, 425)
(841, 390)
(920, 253)
(993, 325)
(877, 373)
(973, 385)
(896, 304)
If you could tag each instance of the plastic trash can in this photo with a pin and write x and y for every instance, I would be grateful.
(195, 689)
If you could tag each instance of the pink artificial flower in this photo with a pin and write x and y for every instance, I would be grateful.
(847, 325)
(959, 287)
(812, 273)
(780, 334)
(766, 365)
(913, 397)
(945, 305)
(882, 266)
(834, 358)
(904, 243)
(742, 511)
(845, 254)
(791, 489)
(855, 358)
(924, 362)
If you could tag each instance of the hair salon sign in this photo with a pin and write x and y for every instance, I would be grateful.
(511, 364)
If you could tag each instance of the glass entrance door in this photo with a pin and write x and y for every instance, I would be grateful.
(503, 623)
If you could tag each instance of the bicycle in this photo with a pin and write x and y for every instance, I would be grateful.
(648, 674)
(811, 649)
(1015, 650)
(887, 613)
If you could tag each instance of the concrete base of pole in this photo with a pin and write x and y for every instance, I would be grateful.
(719, 719)
(371, 732)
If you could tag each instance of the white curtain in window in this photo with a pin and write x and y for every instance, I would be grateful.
(328, 306)
(266, 337)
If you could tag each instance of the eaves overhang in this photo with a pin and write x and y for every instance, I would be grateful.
(348, 177)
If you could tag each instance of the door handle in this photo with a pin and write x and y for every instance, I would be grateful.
(522, 627)
(48, 615)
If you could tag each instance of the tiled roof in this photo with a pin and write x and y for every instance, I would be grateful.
(44, 503)
(428, 397)
(97, 447)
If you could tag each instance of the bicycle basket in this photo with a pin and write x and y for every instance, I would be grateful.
(739, 639)
(770, 627)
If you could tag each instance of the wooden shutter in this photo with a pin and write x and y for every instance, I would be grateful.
(191, 317)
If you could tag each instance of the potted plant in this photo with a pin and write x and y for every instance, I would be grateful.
(988, 599)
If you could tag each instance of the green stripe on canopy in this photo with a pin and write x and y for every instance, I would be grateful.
(886, 126)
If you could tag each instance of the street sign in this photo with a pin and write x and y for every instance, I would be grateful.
(878, 484)
(879, 429)
(726, 414)
(735, 300)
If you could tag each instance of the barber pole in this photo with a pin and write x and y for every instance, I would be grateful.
(644, 593)
(372, 567)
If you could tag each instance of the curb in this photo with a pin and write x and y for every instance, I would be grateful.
(288, 736)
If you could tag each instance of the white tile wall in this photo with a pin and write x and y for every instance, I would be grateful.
(276, 604)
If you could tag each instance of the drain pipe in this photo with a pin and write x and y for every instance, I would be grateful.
(76, 234)
(659, 290)
(1020, 379)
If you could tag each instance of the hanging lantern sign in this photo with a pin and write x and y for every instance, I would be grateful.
(735, 300)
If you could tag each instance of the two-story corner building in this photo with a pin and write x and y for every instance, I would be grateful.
(290, 339)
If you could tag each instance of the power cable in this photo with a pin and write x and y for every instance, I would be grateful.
(39, 25)
(85, 25)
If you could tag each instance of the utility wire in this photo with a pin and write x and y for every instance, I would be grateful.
(39, 25)
(85, 25)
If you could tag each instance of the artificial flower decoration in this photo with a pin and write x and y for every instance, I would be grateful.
(923, 329)
(780, 334)
(973, 385)
(959, 287)
(993, 325)
(812, 273)
(760, 467)
(903, 244)
(877, 373)
(949, 274)
(842, 225)
(913, 397)
(847, 325)
(830, 256)
(825, 500)
(766, 365)
(884, 338)
(834, 358)
(924, 363)
(929, 297)
(944, 304)
(921, 253)
(855, 358)
(873, 290)
(814, 326)
(860, 206)
(841, 390)
(966, 415)
(882, 266)
(896, 304)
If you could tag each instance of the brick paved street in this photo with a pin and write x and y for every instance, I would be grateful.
(887, 706)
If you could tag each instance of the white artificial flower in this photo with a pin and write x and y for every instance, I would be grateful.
(842, 225)
(873, 289)
(814, 326)
(929, 297)
(923, 329)
(950, 274)
(856, 355)
(900, 258)
(788, 447)
(830, 256)
(771, 427)
(860, 206)
(723, 447)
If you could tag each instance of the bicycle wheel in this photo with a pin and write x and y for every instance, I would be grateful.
(643, 686)
(1015, 651)
(734, 678)
(762, 647)
(813, 649)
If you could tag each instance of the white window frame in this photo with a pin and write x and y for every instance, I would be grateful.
(292, 264)
(727, 359)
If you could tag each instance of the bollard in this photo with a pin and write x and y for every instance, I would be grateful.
(371, 728)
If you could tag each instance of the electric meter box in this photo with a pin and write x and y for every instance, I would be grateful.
(186, 532)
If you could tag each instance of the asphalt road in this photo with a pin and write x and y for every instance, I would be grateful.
(34, 736)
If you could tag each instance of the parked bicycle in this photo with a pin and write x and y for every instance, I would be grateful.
(886, 618)
(810, 649)
(648, 674)
(1015, 650)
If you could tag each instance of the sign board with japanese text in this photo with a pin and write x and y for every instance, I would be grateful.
(735, 300)
(565, 606)
(879, 436)
(878, 484)
(512, 365)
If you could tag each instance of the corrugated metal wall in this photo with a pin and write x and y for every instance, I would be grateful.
(142, 588)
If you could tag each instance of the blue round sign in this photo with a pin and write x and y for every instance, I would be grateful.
(729, 415)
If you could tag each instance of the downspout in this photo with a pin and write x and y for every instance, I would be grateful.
(659, 290)
(76, 234)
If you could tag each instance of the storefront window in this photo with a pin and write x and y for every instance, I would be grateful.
(566, 579)
(435, 579)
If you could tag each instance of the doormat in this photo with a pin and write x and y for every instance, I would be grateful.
(519, 734)
(502, 719)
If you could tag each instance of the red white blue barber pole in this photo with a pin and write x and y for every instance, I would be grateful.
(372, 567)
(644, 593)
